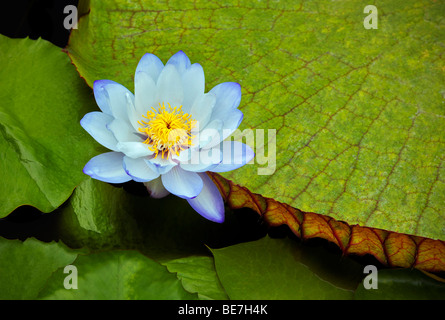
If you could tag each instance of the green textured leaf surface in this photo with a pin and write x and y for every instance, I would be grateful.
(117, 275)
(198, 274)
(43, 147)
(26, 266)
(359, 114)
(269, 269)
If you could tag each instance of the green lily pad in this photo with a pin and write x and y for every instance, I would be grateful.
(358, 113)
(117, 275)
(197, 274)
(26, 266)
(270, 269)
(43, 147)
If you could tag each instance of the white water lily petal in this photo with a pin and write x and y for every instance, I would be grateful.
(101, 96)
(134, 149)
(184, 155)
(151, 65)
(95, 123)
(107, 167)
(132, 114)
(180, 61)
(123, 131)
(161, 168)
(209, 202)
(112, 98)
(199, 167)
(145, 93)
(169, 87)
(182, 183)
(202, 109)
(203, 160)
(231, 122)
(139, 170)
(162, 162)
(234, 155)
(228, 97)
(193, 81)
(211, 135)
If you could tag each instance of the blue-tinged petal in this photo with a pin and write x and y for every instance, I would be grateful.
(161, 168)
(145, 93)
(202, 108)
(134, 149)
(180, 61)
(132, 114)
(185, 154)
(228, 97)
(209, 202)
(95, 123)
(193, 82)
(202, 160)
(182, 183)
(231, 122)
(211, 135)
(169, 87)
(234, 155)
(107, 167)
(112, 98)
(139, 170)
(200, 167)
(124, 132)
(163, 161)
(151, 65)
(156, 188)
(101, 95)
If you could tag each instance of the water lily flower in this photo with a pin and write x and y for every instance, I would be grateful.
(169, 133)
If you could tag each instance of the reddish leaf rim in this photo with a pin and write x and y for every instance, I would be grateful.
(390, 248)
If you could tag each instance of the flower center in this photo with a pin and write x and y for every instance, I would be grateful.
(168, 130)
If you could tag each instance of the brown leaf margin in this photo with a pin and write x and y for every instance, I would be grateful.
(390, 248)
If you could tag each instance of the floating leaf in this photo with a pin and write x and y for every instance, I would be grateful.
(43, 148)
(26, 266)
(269, 269)
(197, 274)
(358, 113)
(117, 275)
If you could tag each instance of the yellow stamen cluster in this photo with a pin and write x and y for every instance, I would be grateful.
(168, 131)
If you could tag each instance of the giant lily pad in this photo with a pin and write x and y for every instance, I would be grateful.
(358, 113)
(359, 138)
